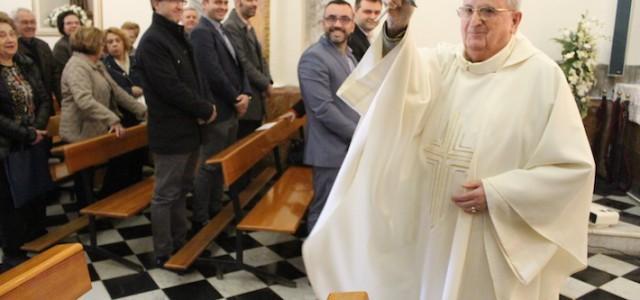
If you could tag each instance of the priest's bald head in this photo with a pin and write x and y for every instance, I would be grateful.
(487, 26)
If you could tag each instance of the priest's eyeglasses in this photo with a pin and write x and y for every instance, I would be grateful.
(334, 19)
(485, 13)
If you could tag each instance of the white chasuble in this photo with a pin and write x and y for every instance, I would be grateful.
(430, 122)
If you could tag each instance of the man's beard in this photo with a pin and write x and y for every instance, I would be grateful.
(337, 41)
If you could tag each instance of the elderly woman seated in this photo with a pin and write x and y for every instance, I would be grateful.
(24, 112)
(91, 100)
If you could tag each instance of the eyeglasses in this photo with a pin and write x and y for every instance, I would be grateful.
(334, 19)
(183, 2)
(485, 13)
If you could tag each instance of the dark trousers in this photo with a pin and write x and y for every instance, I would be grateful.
(123, 171)
(174, 178)
(323, 179)
(209, 184)
(18, 225)
(246, 127)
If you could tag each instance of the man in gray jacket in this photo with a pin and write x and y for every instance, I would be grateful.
(249, 51)
(331, 122)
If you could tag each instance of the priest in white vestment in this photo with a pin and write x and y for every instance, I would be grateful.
(469, 175)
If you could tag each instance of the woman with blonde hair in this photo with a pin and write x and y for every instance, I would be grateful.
(91, 99)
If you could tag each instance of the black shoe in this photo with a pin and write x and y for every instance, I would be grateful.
(9, 262)
(195, 228)
(161, 260)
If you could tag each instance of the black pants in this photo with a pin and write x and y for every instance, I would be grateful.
(123, 171)
(18, 225)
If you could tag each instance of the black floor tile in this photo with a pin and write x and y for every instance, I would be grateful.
(135, 232)
(70, 207)
(633, 276)
(121, 249)
(594, 276)
(630, 218)
(148, 260)
(288, 249)
(563, 298)
(92, 273)
(209, 270)
(229, 243)
(600, 295)
(634, 260)
(282, 269)
(129, 285)
(55, 220)
(199, 290)
(263, 294)
(613, 203)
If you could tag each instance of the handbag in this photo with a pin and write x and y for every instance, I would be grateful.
(27, 171)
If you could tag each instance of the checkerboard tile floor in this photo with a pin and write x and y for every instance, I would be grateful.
(607, 277)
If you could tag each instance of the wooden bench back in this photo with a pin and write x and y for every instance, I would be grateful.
(61, 273)
(244, 154)
(95, 151)
(53, 127)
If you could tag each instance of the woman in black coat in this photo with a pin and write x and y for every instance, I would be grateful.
(126, 169)
(24, 114)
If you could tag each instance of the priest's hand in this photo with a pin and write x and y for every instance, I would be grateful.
(473, 201)
(400, 12)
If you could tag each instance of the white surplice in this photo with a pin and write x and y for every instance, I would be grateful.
(432, 121)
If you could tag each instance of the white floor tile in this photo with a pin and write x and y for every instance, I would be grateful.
(271, 238)
(633, 210)
(165, 279)
(236, 283)
(610, 265)
(153, 295)
(216, 250)
(54, 210)
(575, 288)
(303, 291)
(97, 292)
(624, 199)
(298, 263)
(108, 269)
(596, 197)
(104, 237)
(623, 287)
(259, 256)
(141, 245)
(130, 222)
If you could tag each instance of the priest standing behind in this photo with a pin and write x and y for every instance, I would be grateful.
(469, 176)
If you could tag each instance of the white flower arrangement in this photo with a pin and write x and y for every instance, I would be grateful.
(579, 60)
(52, 18)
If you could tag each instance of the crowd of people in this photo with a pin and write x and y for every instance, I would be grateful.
(199, 80)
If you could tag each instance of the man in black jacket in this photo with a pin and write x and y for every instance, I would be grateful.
(177, 104)
(38, 50)
(367, 14)
(223, 74)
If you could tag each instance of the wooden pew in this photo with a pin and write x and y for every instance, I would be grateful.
(235, 161)
(53, 129)
(348, 296)
(61, 273)
(89, 153)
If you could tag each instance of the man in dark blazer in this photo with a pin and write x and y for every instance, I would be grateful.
(38, 50)
(177, 105)
(331, 122)
(249, 51)
(367, 14)
(222, 72)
